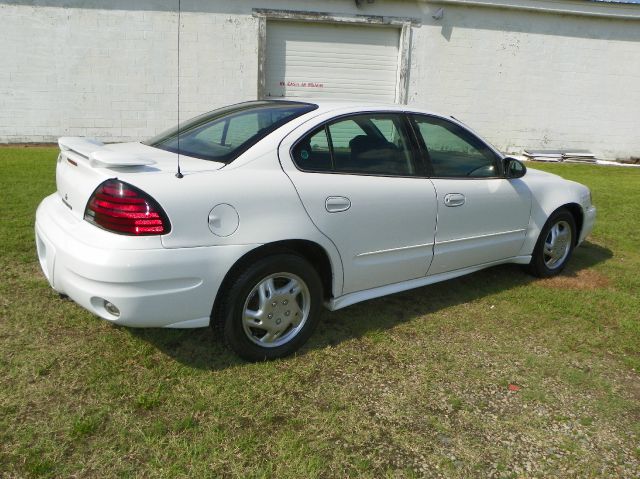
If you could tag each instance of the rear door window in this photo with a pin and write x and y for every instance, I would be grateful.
(312, 153)
(370, 144)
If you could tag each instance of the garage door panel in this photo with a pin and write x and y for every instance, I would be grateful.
(341, 73)
(331, 61)
(337, 49)
(294, 59)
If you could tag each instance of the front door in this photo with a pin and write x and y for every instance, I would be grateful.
(482, 216)
(359, 182)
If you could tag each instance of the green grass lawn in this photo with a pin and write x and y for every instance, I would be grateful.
(412, 385)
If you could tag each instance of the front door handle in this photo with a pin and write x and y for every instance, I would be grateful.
(336, 204)
(454, 199)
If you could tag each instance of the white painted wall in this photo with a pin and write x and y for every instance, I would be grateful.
(521, 78)
(113, 73)
(526, 79)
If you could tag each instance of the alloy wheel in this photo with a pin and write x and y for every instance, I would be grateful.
(276, 310)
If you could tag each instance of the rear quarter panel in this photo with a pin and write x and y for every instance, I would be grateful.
(266, 202)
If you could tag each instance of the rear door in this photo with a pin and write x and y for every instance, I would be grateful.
(482, 216)
(359, 181)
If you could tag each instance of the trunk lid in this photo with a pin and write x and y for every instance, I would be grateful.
(84, 163)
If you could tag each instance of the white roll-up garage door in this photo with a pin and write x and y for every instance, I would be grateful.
(331, 61)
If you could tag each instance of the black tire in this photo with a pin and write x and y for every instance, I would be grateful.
(241, 291)
(539, 265)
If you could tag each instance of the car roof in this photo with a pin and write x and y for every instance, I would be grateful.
(326, 105)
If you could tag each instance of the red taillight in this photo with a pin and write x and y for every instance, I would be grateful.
(122, 208)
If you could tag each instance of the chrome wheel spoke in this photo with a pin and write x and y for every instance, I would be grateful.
(296, 314)
(252, 320)
(266, 290)
(269, 337)
(292, 288)
(250, 323)
(564, 235)
(249, 314)
(554, 235)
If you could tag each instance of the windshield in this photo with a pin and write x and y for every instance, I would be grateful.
(224, 134)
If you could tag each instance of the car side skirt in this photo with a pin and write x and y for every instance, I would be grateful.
(190, 324)
(353, 298)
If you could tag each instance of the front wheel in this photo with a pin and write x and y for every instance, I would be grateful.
(271, 307)
(555, 245)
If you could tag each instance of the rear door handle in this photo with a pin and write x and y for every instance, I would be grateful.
(454, 199)
(336, 204)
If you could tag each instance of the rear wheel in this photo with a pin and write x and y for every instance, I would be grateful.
(271, 307)
(555, 245)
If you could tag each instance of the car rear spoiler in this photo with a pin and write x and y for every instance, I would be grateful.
(98, 155)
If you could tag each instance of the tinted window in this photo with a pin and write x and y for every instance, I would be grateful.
(312, 153)
(342, 133)
(361, 146)
(224, 134)
(368, 144)
(453, 151)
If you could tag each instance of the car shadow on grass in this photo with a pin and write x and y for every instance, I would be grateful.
(199, 348)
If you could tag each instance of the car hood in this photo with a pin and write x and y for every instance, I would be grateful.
(542, 183)
(541, 175)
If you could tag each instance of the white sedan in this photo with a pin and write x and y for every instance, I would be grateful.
(253, 216)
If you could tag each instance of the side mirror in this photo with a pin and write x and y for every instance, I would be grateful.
(514, 168)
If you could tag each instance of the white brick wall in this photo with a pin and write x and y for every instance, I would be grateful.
(113, 73)
(521, 78)
(535, 80)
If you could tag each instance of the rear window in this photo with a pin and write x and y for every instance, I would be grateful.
(224, 134)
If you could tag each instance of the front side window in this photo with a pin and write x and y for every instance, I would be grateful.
(224, 134)
(453, 151)
(374, 144)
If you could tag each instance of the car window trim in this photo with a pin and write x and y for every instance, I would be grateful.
(225, 130)
(418, 170)
(422, 145)
(327, 133)
(418, 151)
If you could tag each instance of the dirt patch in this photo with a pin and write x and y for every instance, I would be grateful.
(584, 279)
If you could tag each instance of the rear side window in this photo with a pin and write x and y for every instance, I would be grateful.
(453, 151)
(370, 144)
(313, 153)
(223, 135)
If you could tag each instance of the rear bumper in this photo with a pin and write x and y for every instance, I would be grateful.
(588, 223)
(150, 285)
